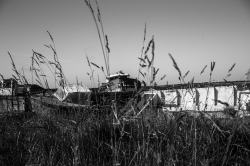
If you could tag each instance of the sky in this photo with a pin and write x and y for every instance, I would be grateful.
(194, 32)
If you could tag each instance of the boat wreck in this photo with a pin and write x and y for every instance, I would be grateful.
(119, 87)
(15, 97)
(213, 96)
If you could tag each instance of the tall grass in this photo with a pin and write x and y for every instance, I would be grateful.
(55, 67)
(94, 140)
(102, 36)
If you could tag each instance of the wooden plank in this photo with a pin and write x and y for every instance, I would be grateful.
(12, 103)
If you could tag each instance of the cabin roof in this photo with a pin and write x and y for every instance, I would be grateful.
(117, 75)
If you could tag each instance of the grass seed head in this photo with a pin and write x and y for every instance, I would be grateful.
(145, 32)
(50, 36)
(143, 65)
(186, 74)
(163, 77)
(95, 65)
(142, 60)
(175, 65)
(142, 74)
(203, 69)
(107, 43)
(212, 66)
(231, 68)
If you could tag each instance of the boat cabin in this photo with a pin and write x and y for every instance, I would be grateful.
(120, 82)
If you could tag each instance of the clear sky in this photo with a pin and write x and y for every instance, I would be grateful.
(195, 32)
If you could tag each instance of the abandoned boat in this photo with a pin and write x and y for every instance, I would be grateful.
(119, 87)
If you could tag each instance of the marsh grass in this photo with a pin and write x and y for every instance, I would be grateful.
(100, 30)
(93, 139)
(40, 61)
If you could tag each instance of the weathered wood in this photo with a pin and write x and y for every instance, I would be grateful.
(106, 98)
(12, 103)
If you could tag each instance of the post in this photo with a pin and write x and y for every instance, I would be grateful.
(11, 86)
(7, 102)
(18, 107)
(27, 100)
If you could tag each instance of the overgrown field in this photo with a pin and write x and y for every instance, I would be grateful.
(109, 135)
(95, 137)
